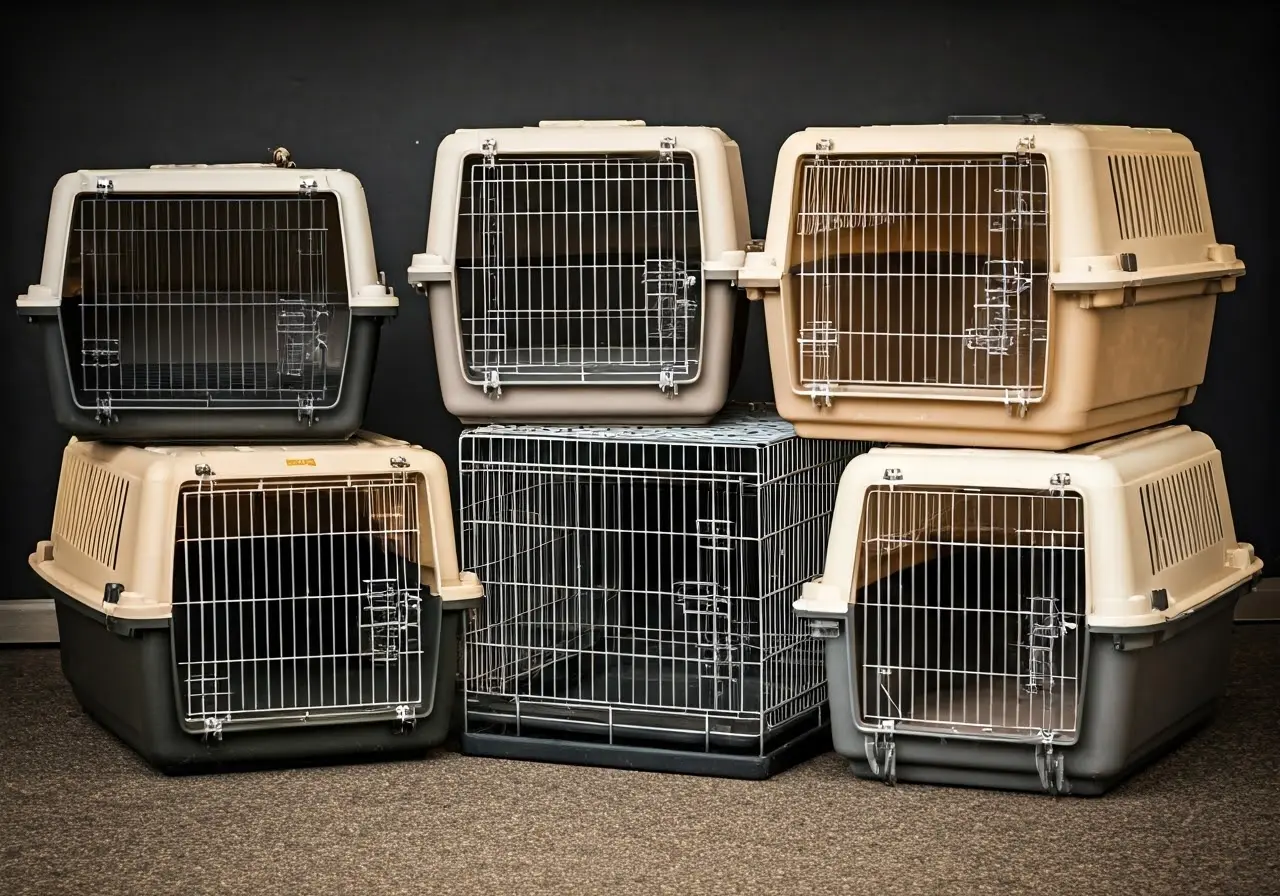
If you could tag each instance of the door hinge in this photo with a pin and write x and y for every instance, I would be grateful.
(492, 384)
(892, 474)
(667, 382)
(1016, 402)
(489, 149)
(212, 729)
(820, 394)
(405, 719)
(1059, 481)
(882, 754)
(308, 185)
(105, 185)
(203, 470)
(666, 149)
(1053, 775)
(1026, 144)
(306, 409)
(824, 145)
(103, 412)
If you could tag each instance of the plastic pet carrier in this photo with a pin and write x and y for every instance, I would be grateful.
(1028, 620)
(210, 303)
(227, 605)
(990, 282)
(584, 271)
(639, 588)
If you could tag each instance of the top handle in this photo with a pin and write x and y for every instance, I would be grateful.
(1025, 118)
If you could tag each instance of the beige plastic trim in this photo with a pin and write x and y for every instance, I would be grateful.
(154, 477)
(1127, 368)
(363, 277)
(725, 230)
(1108, 476)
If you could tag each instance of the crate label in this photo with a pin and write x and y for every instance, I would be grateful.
(300, 461)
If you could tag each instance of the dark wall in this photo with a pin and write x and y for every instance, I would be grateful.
(376, 92)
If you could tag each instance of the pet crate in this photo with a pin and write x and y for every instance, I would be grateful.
(639, 583)
(1024, 619)
(210, 303)
(584, 272)
(1009, 284)
(275, 603)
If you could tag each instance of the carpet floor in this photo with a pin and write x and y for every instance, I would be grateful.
(79, 813)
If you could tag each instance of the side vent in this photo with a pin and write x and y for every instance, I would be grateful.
(1155, 195)
(1182, 515)
(90, 510)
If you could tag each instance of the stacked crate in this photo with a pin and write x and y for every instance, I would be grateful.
(640, 547)
(1022, 611)
(239, 573)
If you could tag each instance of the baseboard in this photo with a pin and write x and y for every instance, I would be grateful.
(28, 622)
(34, 622)
(1263, 604)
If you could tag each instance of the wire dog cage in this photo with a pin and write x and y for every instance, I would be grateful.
(923, 283)
(1028, 620)
(639, 583)
(214, 303)
(584, 271)
(224, 605)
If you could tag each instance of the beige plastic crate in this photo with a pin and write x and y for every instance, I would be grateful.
(259, 592)
(990, 284)
(1028, 619)
(583, 271)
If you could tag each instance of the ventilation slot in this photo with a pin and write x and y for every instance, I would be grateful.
(1155, 195)
(1182, 516)
(90, 510)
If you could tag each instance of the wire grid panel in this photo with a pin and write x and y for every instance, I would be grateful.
(969, 612)
(298, 600)
(924, 272)
(580, 269)
(643, 588)
(175, 302)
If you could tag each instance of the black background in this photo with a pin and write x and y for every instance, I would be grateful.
(373, 87)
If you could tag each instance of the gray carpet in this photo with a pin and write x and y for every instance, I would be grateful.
(80, 814)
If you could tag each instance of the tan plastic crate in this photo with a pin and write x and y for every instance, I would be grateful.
(583, 271)
(990, 284)
(254, 589)
(1028, 619)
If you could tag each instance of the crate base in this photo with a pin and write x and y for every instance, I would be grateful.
(219, 424)
(651, 759)
(123, 677)
(1148, 691)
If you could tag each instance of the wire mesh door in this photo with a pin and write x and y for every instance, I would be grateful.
(617, 579)
(969, 612)
(577, 269)
(923, 272)
(177, 302)
(298, 600)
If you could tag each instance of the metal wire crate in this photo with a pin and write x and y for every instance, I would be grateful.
(951, 284)
(596, 256)
(200, 303)
(639, 587)
(308, 604)
(1029, 620)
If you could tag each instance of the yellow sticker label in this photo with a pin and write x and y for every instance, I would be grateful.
(300, 461)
